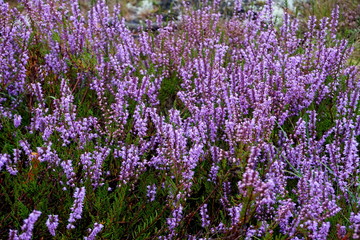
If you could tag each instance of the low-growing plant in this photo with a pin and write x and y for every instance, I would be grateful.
(211, 127)
(349, 18)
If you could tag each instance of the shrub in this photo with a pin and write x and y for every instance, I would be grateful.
(210, 127)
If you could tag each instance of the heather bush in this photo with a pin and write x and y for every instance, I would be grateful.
(349, 18)
(212, 127)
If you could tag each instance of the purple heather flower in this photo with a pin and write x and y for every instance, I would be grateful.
(220, 228)
(234, 97)
(11, 169)
(213, 173)
(46, 154)
(175, 220)
(317, 232)
(92, 164)
(25, 146)
(205, 222)
(77, 208)
(131, 164)
(28, 225)
(355, 225)
(97, 228)
(151, 192)
(13, 235)
(284, 214)
(234, 213)
(226, 193)
(341, 231)
(17, 120)
(263, 190)
(4, 159)
(69, 172)
(52, 223)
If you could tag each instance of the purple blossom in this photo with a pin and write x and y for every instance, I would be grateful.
(13, 235)
(47, 154)
(251, 184)
(205, 222)
(341, 231)
(151, 192)
(131, 164)
(97, 228)
(213, 173)
(244, 90)
(226, 193)
(17, 120)
(69, 172)
(4, 159)
(52, 223)
(77, 208)
(175, 219)
(355, 225)
(28, 225)
(93, 163)
(234, 213)
(25, 146)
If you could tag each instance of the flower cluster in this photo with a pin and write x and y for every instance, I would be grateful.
(77, 208)
(27, 227)
(241, 114)
(52, 223)
(97, 228)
